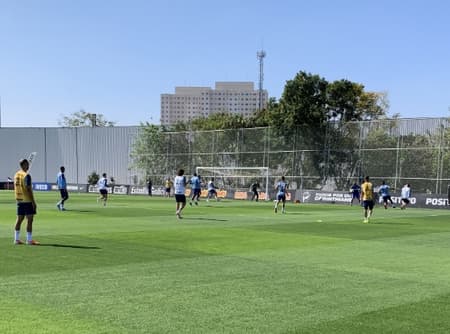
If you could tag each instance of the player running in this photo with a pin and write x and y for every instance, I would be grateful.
(180, 189)
(102, 186)
(384, 193)
(406, 194)
(211, 190)
(281, 188)
(196, 189)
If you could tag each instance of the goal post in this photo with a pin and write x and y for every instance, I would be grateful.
(238, 178)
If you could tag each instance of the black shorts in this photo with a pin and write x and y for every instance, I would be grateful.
(386, 199)
(281, 197)
(103, 191)
(405, 200)
(368, 204)
(196, 192)
(25, 209)
(180, 198)
(64, 193)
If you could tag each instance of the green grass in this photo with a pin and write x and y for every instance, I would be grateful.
(227, 267)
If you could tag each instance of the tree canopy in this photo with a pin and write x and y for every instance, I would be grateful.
(83, 118)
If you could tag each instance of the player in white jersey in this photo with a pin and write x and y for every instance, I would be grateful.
(102, 186)
(281, 188)
(212, 190)
(180, 189)
(406, 194)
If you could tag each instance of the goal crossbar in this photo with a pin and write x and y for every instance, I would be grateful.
(263, 173)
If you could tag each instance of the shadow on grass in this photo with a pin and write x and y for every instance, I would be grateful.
(206, 219)
(69, 246)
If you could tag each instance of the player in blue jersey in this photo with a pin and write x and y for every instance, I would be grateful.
(384, 193)
(62, 186)
(196, 189)
(356, 193)
(281, 189)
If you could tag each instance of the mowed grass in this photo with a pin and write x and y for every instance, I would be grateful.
(227, 267)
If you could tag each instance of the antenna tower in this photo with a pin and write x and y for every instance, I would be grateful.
(260, 55)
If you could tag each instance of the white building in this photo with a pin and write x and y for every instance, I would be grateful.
(193, 102)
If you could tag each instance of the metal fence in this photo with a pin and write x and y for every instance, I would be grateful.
(415, 151)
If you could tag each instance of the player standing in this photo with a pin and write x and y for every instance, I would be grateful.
(384, 193)
(168, 186)
(367, 198)
(62, 186)
(196, 189)
(281, 188)
(103, 189)
(26, 205)
(180, 189)
(254, 188)
(355, 190)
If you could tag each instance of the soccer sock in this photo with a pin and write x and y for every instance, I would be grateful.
(29, 236)
(16, 235)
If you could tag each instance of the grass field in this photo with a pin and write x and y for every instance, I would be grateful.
(227, 267)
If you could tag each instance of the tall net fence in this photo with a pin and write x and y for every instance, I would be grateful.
(415, 151)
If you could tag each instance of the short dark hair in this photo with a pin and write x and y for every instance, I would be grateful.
(22, 162)
(104, 174)
(180, 172)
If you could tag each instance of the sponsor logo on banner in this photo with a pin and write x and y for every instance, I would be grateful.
(333, 197)
(306, 196)
(135, 190)
(121, 190)
(240, 195)
(42, 186)
(94, 189)
(436, 201)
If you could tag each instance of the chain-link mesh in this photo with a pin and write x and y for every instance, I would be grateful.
(415, 151)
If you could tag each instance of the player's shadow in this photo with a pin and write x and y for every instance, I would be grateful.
(206, 219)
(70, 246)
(81, 211)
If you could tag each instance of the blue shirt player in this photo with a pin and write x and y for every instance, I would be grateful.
(384, 193)
(356, 193)
(281, 188)
(62, 186)
(196, 189)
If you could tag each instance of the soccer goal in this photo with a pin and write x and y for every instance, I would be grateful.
(238, 178)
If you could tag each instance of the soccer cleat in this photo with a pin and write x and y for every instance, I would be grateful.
(196, 203)
(190, 203)
(365, 220)
(275, 209)
(33, 243)
(58, 206)
(18, 242)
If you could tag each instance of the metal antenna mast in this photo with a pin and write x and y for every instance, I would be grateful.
(260, 55)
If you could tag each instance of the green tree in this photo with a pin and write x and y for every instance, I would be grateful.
(83, 118)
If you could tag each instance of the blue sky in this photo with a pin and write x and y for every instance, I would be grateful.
(116, 57)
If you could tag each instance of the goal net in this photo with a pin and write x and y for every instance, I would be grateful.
(237, 178)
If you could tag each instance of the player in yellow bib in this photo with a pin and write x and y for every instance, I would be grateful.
(26, 205)
(367, 198)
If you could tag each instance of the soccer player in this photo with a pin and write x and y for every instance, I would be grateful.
(26, 204)
(384, 193)
(355, 190)
(180, 189)
(281, 188)
(196, 189)
(62, 186)
(406, 194)
(149, 186)
(168, 186)
(254, 188)
(367, 198)
(102, 185)
(211, 190)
